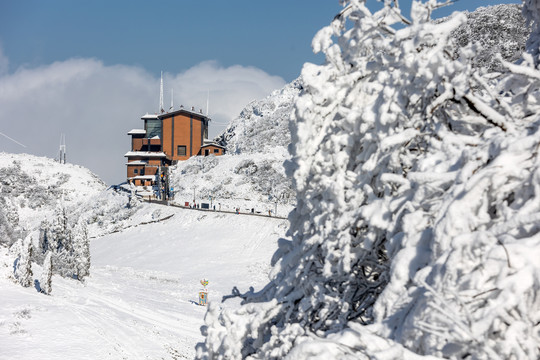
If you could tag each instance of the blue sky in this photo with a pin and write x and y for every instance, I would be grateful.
(90, 69)
(172, 35)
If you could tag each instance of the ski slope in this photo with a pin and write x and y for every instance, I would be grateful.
(140, 299)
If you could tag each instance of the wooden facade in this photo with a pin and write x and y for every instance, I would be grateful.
(211, 149)
(183, 133)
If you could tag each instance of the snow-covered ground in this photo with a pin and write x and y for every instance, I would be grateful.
(241, 181)
(33, 185)
(140, 299)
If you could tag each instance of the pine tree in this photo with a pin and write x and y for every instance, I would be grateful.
(61, 243)
(81, 245)
(46, 276)
(44, 237)
(60, 231)
(133, 199)
(22, 266)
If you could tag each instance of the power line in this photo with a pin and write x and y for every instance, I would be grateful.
(15, 141)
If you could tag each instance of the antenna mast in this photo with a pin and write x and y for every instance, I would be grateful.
(161, 94)
(172, 100)
(62, 151)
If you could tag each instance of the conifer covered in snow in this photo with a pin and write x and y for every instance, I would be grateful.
(418, 202)
(45, 282)
(10, 229)
(61, 243)
(43, 239)
(81, 250)
(22, 266)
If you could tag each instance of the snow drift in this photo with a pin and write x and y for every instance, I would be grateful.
(417, 225)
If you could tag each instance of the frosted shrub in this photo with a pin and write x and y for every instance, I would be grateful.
(418, 203)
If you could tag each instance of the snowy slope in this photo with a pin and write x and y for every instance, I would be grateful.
(251, 174)
(32, 183)
(262, 125)
(31, 186)
(138, 302)
(242, 181)
(147, 260)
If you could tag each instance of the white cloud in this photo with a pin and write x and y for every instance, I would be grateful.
(96, 105)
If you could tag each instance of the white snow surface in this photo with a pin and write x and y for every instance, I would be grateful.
(244, 181)
(35, 184)
(140, 300)
(262, 125)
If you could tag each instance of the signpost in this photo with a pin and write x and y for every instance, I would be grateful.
(203, 294)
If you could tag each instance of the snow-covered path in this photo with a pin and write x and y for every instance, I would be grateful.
(140, 300)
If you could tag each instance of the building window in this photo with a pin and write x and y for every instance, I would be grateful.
(206, 152)
(136, 171)
(153, 128)
(216, 151)
(181, 150)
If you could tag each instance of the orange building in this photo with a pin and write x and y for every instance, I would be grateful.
(166, 139)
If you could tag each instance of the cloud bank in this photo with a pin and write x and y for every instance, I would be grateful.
(96, 105)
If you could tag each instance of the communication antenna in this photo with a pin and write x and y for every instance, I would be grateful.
(172, 100)
(62, 151)
(161, 94)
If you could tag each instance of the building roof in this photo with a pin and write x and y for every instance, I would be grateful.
(149, 116)
(137, 132)
(137, 162)
(183, 111)
(213, 144)
(145, 154)
(143, 177)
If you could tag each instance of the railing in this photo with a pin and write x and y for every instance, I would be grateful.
(169, 203)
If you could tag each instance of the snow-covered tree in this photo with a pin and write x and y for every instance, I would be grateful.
(81, 253)
(10, 229)
(60, 230)
(44, 238)
(46, 276)
(133, 199)
(61, 242)
(418, 203)
(22, 266)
